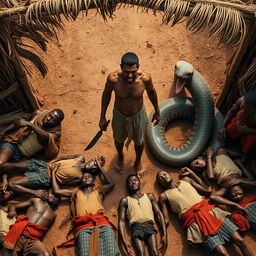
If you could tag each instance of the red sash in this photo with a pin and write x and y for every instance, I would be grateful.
(239, 219)
(22, 227)
(199, 213)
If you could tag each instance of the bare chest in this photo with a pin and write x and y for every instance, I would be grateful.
(129, 91)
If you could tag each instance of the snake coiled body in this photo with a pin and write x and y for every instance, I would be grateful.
(201, 109)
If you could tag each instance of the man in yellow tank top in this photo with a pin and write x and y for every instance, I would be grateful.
(140, 209)
(37, 176)
(25, 137)
(93, 231)
(205, 224)
(221, 168)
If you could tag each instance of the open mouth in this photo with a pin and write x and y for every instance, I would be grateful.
(179, 84)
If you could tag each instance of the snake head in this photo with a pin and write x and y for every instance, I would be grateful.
(183, 74)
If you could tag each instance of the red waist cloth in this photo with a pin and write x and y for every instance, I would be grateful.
(248, 141)
(239, 219)
(22, 227)
(86, 221)
(199, 213)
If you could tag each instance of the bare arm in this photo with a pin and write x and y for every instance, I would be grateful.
(210, 172)
(162, 203)
(109, 183)
(160, 220)
(123, 204)
(195, 181)
(152, 95)
(56, 189)
(106, 97)
(13, 207)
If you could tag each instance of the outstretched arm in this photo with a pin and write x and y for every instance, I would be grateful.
(162, 203)
(210, 173)
(160, 220)
(123, 204)
(56, 189)
(152, 95)
(106, 97)
(109, 183)
(217, 197)
(195, 181)
(12, 208)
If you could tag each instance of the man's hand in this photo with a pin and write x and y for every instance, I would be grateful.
(156, 118)
(4, 186)
(164, 245)
(242, 210)
(100, 161)
(11, 214)
(128, 250)
(243, 129)
(40, 193)
(103, 124)
(19, 122)
(222, 134)
(185, 172)
(55, 167)
(209, 152)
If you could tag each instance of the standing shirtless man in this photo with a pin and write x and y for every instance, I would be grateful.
(129, 115)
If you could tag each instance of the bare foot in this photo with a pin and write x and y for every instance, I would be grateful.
(119, 166)
(140, 171)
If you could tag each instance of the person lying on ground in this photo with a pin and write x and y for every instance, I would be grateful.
(140, 209)
(129, 114)
(220, 167)
(24, 236)
(24, 138)
(93, 231)
(240, 122)
(206, 225)
(235, 196)
(37, 176)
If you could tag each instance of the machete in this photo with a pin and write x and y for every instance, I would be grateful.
(96, 138)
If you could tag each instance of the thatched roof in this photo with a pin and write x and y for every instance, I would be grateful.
(41, 20)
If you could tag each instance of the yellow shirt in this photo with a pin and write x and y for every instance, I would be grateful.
(5, 223)
(139, 210)
(67, 171)
(224, 167)
(88, 204)
(183, 197)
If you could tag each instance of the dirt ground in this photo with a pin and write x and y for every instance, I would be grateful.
(78, 67)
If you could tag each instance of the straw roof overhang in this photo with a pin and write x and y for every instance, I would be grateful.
(41, 20)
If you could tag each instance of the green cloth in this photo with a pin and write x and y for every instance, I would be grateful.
(131, 127)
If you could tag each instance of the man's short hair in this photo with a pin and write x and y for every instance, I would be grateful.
(250, 98)
(130, 59)
(60, 113)
(129, 176)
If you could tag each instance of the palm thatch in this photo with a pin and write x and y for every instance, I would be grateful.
(41, 20)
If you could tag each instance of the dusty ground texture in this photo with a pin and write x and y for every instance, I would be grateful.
(78, 67)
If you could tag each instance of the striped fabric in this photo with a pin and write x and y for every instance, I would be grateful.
(224, 234)
(108, 245)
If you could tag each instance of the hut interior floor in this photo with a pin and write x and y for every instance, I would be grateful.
(78, 67)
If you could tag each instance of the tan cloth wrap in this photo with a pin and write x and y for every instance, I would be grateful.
(132, 127)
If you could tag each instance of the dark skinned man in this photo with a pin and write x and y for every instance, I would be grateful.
(129, 115)
(24, 236)
(37, 176)
(140, 209)
(93, 232)
(25, 137)
(205, 224)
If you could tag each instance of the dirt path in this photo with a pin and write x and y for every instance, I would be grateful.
(78, 68)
